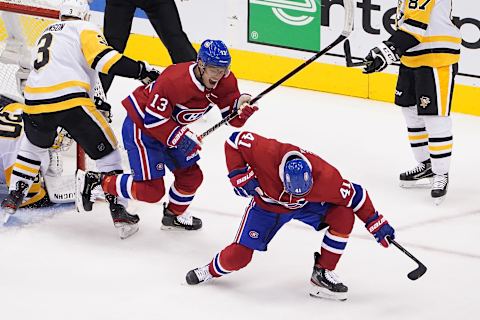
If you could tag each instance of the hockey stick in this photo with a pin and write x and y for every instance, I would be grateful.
(348, 56)
(348, 28)
(421, 268)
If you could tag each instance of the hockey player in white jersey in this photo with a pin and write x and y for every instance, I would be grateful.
(427, 43)
(58, 93)
(62, 188)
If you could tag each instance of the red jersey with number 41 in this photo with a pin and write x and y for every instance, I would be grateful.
(178, 98)
(267, 159)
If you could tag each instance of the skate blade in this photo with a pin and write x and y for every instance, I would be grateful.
(172, 228)
(79, 184)
(6, 216)
(126, 230)
(438, 201)
(324, 293)
(175, 228)
(425, 183)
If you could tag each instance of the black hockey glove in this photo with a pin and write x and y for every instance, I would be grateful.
(104, 107)
(380, 57)
(147, 74)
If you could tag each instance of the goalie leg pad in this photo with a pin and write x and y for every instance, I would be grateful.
(60, 189)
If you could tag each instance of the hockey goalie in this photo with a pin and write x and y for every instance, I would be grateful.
(50, 186)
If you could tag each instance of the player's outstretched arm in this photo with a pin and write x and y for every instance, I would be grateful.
(139, 70)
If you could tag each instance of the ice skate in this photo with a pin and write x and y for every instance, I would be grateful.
(326, 284)
(126, 223)
(85, 195)
(439, 188)
(418, 177)
(185, 221)
(198, 275)
(13, 201)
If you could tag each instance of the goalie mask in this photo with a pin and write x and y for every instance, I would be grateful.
(75, 8)
(297, 176)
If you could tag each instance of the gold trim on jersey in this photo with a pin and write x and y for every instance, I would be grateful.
(96, 116)
(442, 39)
(58, 106)
(98, 54)
(434, 60)
(110, 63)
(14, 107)
(59, 86)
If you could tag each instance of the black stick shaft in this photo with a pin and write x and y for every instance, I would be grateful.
(276, 84)
(399, 246)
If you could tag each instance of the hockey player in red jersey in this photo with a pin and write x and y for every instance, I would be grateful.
(287, 182)
(156, 134)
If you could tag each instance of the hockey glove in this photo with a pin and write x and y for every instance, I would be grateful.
(147, 74)
(380, 57)
(243, 108)
(104, 107)
(185, 140)
(244, 182)
(378, 226)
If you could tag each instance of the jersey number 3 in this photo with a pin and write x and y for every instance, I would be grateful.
(43, 53)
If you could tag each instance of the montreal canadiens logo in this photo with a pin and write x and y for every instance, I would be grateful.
(253, 234)
(189, 115)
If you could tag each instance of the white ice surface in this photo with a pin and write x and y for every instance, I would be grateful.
(74, 266)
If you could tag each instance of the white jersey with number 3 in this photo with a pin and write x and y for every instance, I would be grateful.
(68, 56)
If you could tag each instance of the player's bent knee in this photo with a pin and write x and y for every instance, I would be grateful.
(151, 191)
(236, 256)
(340, 219)
(188, 179)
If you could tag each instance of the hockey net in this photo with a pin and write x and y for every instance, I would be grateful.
(21, 23)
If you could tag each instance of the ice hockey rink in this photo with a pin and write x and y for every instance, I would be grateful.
(72, 266)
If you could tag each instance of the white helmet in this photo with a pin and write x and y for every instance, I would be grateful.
(75, 8)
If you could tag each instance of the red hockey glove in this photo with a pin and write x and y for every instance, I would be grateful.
(244, 182)
(185, 140)
(243, 108)
(379, 227)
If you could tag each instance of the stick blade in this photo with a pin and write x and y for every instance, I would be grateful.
(417, 273)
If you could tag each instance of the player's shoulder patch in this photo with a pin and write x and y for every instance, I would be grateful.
(233, 139)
